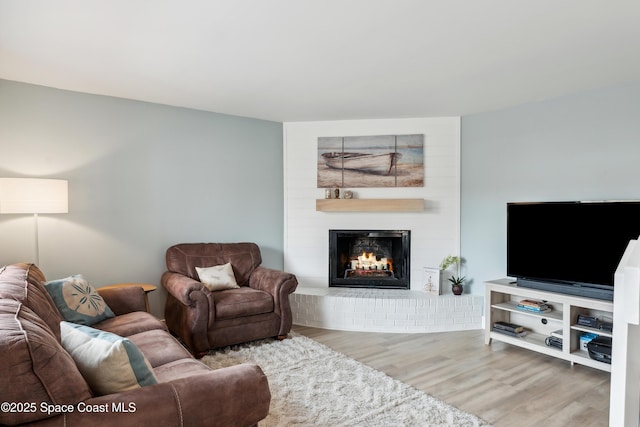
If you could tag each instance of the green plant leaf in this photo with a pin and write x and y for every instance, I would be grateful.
(448, 261)
(457, 280)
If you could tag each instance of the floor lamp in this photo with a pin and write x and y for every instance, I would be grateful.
(34, 196)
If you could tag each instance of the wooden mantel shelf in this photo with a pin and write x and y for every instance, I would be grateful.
(369, 205)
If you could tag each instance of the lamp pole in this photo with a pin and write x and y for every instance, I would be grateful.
(35, 224)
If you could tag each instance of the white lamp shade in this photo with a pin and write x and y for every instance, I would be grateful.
(33, 195)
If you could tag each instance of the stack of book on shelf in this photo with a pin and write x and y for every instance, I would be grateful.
(510, 329)
(555, 339)
(533, 306)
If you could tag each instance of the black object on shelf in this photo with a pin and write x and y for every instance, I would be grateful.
(553, 342)
(606, 327)
(600, 349)
(589, 321)
(511, 327)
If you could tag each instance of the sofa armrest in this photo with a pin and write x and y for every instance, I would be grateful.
(234, 396)
(181, 287)
(124, 300)
(189, 310)
(277, 283)
(280, 285)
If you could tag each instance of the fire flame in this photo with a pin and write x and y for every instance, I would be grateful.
(370, 262)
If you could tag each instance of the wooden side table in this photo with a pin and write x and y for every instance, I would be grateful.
(145, 287)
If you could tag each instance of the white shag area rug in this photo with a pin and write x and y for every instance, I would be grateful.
(312, 385)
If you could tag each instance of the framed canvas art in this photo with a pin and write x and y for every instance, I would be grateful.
(371, 161)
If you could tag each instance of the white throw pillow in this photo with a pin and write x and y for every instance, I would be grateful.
(108, 362)
(218, 277)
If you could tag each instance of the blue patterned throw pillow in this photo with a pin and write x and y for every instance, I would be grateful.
(78, 301)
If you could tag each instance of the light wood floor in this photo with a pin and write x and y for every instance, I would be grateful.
(503, 384)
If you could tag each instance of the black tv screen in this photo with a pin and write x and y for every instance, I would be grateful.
(569, 247)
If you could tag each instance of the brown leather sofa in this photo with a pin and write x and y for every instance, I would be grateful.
(206, 319)
(37, 375)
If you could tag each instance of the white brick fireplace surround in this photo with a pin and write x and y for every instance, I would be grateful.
(435, 232)
(381, 310)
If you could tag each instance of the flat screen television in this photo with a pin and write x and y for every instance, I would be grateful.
(569, 247)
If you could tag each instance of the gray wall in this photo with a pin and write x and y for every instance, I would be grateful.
(141, 177)
(579, 147)
(144, 176)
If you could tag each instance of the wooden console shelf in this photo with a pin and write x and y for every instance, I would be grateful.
(502, 299)
(370, 205)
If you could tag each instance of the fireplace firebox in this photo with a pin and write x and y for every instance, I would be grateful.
(369, 258)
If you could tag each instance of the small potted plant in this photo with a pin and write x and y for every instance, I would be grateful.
(457, 283)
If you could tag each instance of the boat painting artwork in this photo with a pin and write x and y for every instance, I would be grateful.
(380, 164)
(371, 161)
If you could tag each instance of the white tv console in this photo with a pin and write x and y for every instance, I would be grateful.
(502, 297)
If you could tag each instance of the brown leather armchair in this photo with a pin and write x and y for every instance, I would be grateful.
(206, 319)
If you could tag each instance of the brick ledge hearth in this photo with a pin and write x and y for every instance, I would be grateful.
(381, 310)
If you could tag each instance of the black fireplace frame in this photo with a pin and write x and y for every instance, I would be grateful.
(402, 260)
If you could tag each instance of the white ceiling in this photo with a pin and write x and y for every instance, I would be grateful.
(294, 60)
